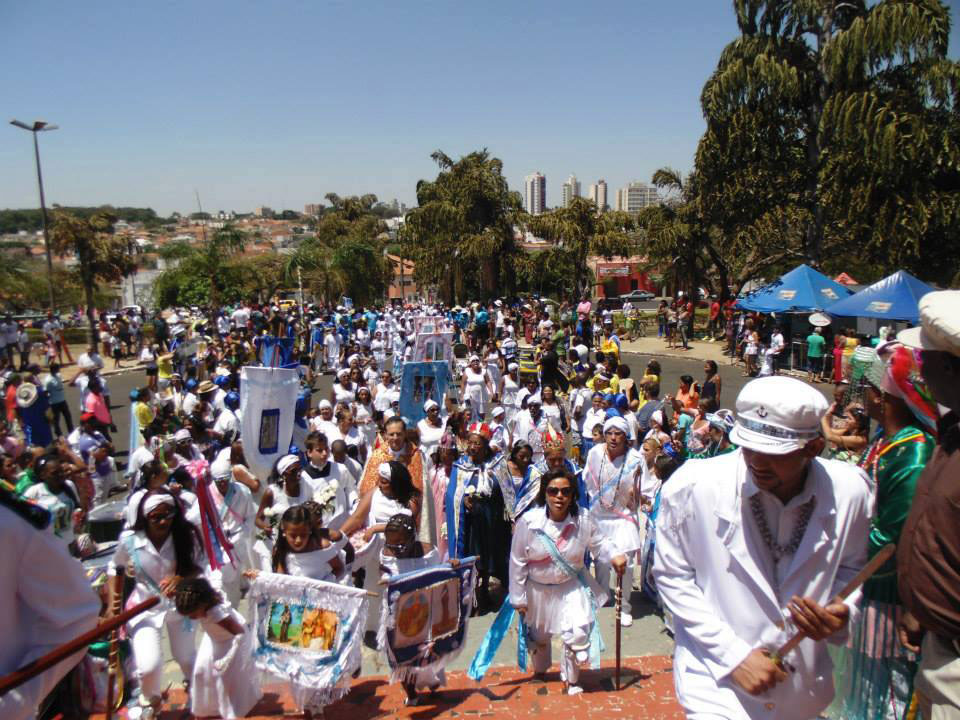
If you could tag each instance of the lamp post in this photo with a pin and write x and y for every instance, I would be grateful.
(41, 126)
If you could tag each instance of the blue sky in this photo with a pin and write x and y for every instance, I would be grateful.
(278, 103)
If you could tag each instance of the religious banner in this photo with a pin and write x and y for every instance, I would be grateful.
(268, 397)
(309, 632)
(422, 381)
(427, 612)
(433, 347)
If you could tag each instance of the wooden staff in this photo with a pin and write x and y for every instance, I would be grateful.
(32, 669)
(113, 656)
(618, 608)
(878, 560)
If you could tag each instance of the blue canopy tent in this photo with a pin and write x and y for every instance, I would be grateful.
(893, 298)
(803, 289)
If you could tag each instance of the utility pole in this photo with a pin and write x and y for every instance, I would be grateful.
(41, 126)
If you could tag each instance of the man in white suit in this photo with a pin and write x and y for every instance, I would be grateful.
(751, 547)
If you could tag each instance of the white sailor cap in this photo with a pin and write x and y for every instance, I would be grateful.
(777, 415)
(939, 323)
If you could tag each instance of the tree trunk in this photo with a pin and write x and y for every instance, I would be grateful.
(88, 297)
(813, 234)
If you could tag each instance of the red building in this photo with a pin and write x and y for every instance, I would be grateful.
(620, 276)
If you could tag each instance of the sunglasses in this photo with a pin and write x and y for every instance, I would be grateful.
(160, 518)
(553, 491)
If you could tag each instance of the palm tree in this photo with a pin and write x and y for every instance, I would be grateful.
(208, 260)
(100, 255)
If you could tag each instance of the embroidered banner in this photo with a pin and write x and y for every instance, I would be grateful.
(427, 612)
(268, 397)
(309, 632)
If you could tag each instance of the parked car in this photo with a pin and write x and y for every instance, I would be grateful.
(637, 296)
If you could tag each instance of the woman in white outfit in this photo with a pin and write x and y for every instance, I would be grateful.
(431, 428)
(160, 550)
(476, 387)
(507, 393)
(549, 585)
(494, 363)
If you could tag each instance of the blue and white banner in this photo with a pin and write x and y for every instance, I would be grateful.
(422, 381)
(309, 632)
(426, 617)
(268, 397)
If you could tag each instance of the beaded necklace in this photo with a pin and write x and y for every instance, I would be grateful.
(600, 483)
(777, 551)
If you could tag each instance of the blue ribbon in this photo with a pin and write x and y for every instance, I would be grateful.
(596, 641)
(491, 642)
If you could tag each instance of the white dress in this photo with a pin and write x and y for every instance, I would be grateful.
(555, 602)
(378, 348)
(615, 487)
(477, 389)
(263, 547)
(344, 395)
(314, 564)
(430, 436)
(382, 509)
(363, 416)
(226, 682)
(493, 368)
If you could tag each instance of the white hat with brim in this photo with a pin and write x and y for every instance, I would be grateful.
(777, 415)
(26, 395)
(939, 324)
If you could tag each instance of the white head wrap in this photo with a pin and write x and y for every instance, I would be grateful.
(384, 471)
(512, 366)
(657, 417)
(343, 372)
(325, 405)
(431, 403)
(617, 423)
(182, 435)
(286, 462)
(155, 501)
(474, 358)
(534, 399)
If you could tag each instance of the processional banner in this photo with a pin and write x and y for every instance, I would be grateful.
(427, 612)
(268, 397)
(309, 632)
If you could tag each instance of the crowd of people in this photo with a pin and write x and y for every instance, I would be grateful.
(547, 461)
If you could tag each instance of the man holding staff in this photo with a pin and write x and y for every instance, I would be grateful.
(752, 547)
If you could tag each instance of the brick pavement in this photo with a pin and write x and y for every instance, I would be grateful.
(506, 692)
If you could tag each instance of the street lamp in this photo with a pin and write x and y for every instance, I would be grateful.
(40, 126)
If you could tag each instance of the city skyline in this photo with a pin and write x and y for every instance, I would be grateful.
(250, 105)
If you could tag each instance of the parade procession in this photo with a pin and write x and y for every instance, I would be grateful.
(266, 531)
(331, 392)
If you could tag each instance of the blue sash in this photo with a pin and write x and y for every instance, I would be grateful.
(491, 642)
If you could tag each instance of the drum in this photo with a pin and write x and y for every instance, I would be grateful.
(106, 520)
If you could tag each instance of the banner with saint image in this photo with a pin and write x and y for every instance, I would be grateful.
(427, 612)
(309, 632)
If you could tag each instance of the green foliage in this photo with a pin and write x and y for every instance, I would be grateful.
(832, 138)
(31, 220)
(345, 256)
(205, 273)
(101, 257)
(461, 236)
(579, 230)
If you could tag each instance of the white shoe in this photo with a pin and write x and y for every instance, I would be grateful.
(574, 690)
(626, 619)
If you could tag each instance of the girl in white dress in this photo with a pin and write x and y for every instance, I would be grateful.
(549, 585)
(293, 489)
(507, 392)
(363, 416)
(402, 554)
(226, 683)
(476, 387)
(379, 349)
(494, 363)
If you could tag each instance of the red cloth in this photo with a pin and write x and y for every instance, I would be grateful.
(11, 403)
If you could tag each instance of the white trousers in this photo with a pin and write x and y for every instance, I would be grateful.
(575, 649)
(148, 655)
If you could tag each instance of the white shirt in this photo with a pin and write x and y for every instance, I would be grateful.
(239, 317)
(591, 419)
(45, 601)
(227, 422)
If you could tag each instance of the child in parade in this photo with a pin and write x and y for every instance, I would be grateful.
(402, 553)
(225, 679)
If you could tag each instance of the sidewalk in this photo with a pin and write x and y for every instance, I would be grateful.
(506, 692)
(699, 349)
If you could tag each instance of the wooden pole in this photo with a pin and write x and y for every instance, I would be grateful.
(32, 669)
(113, 656)
(618, 607)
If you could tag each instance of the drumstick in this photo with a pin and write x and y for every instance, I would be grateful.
(876, 562)
(45, 662)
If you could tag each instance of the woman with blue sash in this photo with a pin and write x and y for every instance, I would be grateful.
(549, 585)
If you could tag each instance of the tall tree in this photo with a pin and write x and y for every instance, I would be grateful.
(833, 125)
(461, 237)
(345, 256)
(583, 231)
(204, 272)
(101, 257)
